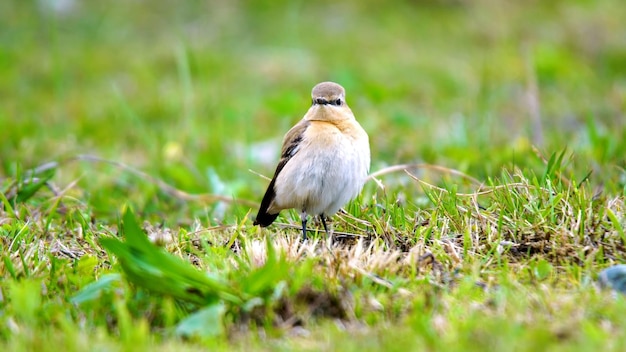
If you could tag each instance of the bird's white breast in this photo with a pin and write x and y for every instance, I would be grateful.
(329, 169)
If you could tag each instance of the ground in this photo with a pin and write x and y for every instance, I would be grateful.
(134, 139)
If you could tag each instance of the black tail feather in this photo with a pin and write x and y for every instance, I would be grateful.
(263, 218)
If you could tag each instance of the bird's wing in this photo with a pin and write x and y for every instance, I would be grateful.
(291, 145)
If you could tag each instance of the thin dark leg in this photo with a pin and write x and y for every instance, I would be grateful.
(328, 237)
(303, 217)
(323, 217)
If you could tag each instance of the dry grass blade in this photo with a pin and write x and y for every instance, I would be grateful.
(477, 193)
(406, 167)
(260, 175)
(299, 227)
(372, 277)
(344, 214)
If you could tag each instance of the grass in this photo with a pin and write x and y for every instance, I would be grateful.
(121, 122)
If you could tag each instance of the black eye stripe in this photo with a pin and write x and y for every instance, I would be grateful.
(322, 101)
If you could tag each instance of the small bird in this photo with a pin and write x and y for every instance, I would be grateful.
(324, 162)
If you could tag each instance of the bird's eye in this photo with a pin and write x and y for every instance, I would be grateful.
(320, 101)
(337, 102)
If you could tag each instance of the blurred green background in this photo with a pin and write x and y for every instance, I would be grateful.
(199, 92)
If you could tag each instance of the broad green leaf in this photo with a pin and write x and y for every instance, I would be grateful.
(96, 289)
(206, 322)
(29, 186)
(542, 269)
(25, 297)
(149, 266)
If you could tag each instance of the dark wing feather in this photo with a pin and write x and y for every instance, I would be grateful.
(291, 143)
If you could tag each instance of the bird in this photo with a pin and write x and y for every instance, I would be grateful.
(324, 161)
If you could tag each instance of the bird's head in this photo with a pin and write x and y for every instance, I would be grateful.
(328, 93)
(329, 103)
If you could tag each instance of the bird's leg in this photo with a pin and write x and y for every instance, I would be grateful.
(329, 238)
(328, 234)
(323, 217)
(303, 217)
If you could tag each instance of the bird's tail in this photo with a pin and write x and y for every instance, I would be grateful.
(263, 218)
